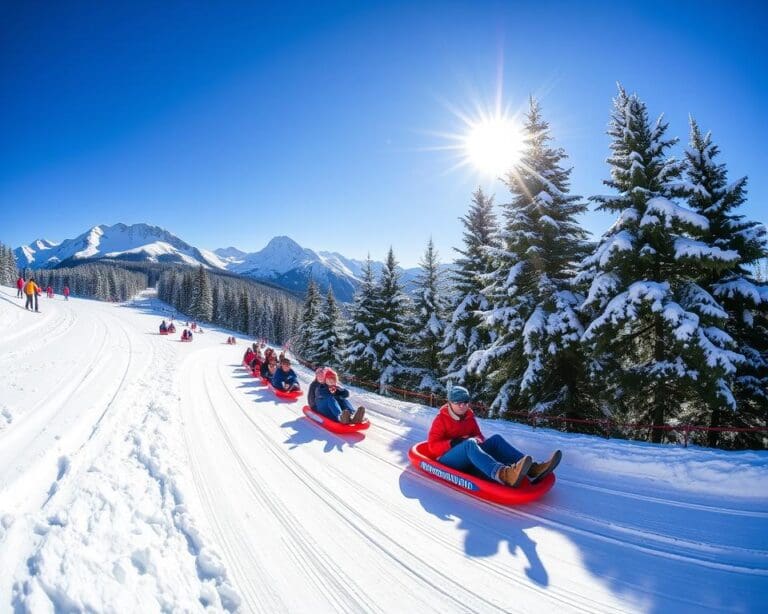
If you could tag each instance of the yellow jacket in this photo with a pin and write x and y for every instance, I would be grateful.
(30, 287)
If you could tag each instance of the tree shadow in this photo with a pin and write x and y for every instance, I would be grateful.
(305, 431)
(487, 529)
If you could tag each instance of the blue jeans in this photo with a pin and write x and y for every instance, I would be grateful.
(487, 457)
(332, 408)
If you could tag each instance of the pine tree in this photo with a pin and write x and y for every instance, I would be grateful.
(391, 313)
(533, 360)
(201, 300)
(464, 334)
(426, 327)
(360, 356)
(328, 342)
(655, 335)
(305, 338)
(244, 313)
(735, 287)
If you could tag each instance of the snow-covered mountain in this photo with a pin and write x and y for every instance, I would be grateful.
(285, 263)
(135, 242)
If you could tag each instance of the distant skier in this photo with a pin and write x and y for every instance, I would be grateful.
(49, 291)
(20, 287)
(333, 401)
(65, 292)
(455, 440)
(31, 289)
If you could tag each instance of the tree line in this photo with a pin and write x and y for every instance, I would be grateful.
(233, 302)
(662, 321)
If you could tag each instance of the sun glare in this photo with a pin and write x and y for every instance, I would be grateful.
(493, 145)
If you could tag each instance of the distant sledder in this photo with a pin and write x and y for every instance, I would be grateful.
(457, 452)
(163, 328)
(186, 335)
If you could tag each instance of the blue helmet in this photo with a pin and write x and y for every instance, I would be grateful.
(458, 394)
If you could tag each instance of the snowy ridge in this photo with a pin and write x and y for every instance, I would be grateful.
(118, 242)
(146, 475)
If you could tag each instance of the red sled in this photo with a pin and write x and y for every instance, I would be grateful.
(332, 425)
(282, 394)
(163, 332)
(185, 340)
(475, 486)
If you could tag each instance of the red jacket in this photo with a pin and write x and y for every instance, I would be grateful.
(19, 283)
(446, 427)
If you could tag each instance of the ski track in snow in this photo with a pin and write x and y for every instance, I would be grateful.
(141, 474)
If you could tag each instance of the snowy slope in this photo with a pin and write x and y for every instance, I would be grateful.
(138, 473)
(119, 242)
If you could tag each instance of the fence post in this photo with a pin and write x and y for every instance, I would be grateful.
(606, 424)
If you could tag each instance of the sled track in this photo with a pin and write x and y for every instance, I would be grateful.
(344, 510)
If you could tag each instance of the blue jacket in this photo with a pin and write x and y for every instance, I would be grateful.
(312, 395)
(280, 377)
(323, 396)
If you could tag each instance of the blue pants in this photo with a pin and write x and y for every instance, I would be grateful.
(487, 457)
(332, 408)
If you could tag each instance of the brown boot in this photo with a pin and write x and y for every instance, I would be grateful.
(542, 470)
(359, 415)
(345, 416)
(512, 474)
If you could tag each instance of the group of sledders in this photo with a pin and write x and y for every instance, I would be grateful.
(283, 379)
(454, 439)
(167, 328)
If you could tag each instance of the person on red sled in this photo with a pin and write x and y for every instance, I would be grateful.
(268, 369)
(455, 440)
(248, 356)
(312, 391)
(333, 401)
(256, 361)
(285, 378)
(163, 327)
(171, 328)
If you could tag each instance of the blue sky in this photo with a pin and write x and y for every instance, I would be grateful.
(229, 124)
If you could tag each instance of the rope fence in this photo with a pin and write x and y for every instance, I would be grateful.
(606, 426)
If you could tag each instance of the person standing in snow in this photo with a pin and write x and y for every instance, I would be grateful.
(31, 289)
(65, 292)
(20, 287)
(455, 440)
(49, 292)
(333, 401)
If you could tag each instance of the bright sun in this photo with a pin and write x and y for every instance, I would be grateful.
(493, 145)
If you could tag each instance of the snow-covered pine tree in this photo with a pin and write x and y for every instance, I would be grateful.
(534, 359)
(735, 287)
(244, 312)
(360, 357)
(392, 311)
(201, 305)
(425, 331)
(8, 270)
(328, 342)
(304, 344)
(464, 334)
(654, 334)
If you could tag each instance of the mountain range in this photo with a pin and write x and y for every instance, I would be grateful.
(282, 262)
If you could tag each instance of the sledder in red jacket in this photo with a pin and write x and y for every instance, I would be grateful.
(455, 440)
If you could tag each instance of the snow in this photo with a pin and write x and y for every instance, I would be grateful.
(141, 474)
(690, 248)
(660, 206)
